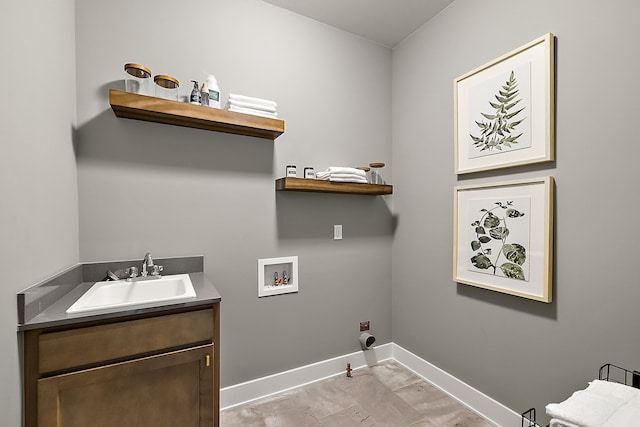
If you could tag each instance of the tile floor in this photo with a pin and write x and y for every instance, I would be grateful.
(386, 394)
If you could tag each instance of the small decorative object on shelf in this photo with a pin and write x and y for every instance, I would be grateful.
(166, 87)
(375, 177)
(309, 173)
(291, 171)
(138, 79)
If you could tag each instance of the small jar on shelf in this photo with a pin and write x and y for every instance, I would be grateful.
(166, 87)
(376, 177)
(138, 79)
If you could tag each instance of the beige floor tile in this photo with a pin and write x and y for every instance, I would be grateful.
(237, 417)
(438, 408)
(386, 408)
(327, 397)
(385, 395)
(394, 375)
(349, 417)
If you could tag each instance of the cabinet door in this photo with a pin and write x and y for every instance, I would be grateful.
(170, 389)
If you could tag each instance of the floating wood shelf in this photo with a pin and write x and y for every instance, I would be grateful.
(316, 185)
(152, 109)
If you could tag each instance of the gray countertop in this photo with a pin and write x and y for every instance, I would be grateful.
(45, 304)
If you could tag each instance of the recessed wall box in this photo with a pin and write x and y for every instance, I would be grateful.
(277, 276)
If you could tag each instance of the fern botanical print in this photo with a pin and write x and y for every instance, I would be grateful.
(498, 129)
(492, 250)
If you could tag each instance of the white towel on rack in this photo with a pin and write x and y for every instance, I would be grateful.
(585, 408)
(610, 388)
(602, 403)
(627, 415)
(557, 423)
(252, 100)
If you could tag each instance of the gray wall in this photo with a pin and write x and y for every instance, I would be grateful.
(178, 191)
(520, 352)
(38, 190)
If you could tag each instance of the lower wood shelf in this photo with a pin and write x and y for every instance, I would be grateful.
(320, 186)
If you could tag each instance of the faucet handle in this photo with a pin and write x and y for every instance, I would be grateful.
(156, 269)
(132, 272)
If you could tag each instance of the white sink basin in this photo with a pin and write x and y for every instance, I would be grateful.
(120, 293)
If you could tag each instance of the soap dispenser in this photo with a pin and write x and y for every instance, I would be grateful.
(214, 91)
(195, 94)
(204, 95)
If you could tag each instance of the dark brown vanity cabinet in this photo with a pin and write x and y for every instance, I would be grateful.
(159, 369)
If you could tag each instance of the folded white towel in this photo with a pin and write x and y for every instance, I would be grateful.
(243, 98)
(345, 169)
(252, 105)
(610, 388)
(557, 423)
(340, 175)
(253, 112)
(627, 415)
(589, 408)
(355, 180)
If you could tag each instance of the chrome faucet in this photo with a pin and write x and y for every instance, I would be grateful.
(147, 262)
(149, 270)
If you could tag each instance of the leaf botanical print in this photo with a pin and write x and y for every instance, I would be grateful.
(498, 129)
(493, 227)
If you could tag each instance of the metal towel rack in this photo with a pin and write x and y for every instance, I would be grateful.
(607, 372)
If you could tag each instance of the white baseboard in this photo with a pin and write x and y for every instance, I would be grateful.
(477, 401)
(262, 387)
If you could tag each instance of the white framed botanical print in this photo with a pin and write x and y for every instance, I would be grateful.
(503, 237)
(504, 110)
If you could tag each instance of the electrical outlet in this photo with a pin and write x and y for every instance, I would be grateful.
(364, 326)
(337, 232)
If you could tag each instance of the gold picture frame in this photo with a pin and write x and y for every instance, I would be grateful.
(504, 110)
(503, 237)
